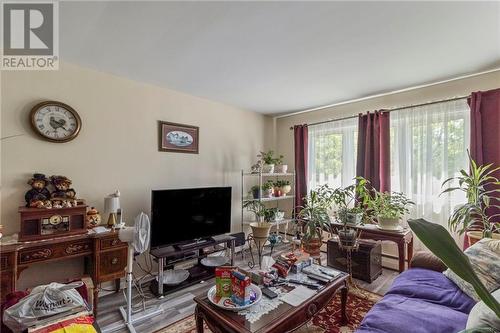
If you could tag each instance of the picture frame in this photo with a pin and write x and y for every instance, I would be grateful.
(178, 138)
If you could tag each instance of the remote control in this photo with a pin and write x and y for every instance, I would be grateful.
(269, 293)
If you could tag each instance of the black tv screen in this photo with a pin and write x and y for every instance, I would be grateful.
(183, 215)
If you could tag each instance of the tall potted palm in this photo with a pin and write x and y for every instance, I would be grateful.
(480, 186)
(351, 202)
(313, 216)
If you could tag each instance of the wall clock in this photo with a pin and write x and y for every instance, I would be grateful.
(55, 121)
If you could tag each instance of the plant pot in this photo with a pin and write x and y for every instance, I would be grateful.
(267, 193)
(260, 232)
(278, 192)
(286, 189)
(312, 246)
(354, 218)
(281, 168)
(279, 216)
(476, 236)
(256, 194)
(347, 237)
(385, 223)
(268, 168)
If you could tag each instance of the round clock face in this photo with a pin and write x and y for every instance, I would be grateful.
(55, 219)
(55, 121)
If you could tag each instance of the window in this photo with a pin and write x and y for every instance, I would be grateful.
(429, 145)
(332, 153)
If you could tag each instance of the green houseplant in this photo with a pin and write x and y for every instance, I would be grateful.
(313, 216)
(282, 187)
(268, 188)
(389, 208)
(260, 228)
(269, 161)
(479, 185)
(351, 202)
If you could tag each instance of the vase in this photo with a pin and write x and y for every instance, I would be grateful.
(286, 189)
(313, 246)
(268, 168)
(386, 223)
(354, 218)
(281, 168)
(347, 237)
(476, 236)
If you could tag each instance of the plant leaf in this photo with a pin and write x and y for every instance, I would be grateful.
(439, 242)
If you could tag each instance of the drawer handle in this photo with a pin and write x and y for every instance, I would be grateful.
(311, 310)
(114, 261)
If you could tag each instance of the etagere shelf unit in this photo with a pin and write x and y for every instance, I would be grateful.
(281, 202)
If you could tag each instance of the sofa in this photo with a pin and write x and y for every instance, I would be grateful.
(420, 300)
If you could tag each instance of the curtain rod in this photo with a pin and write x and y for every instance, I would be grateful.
(390, 110)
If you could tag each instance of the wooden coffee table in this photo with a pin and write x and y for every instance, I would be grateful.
(284, 318)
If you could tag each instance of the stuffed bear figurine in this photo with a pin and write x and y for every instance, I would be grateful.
(38, 192)
(62, 188)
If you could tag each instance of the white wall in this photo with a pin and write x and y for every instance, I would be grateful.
(117, 147)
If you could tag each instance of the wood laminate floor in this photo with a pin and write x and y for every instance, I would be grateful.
(180, 304)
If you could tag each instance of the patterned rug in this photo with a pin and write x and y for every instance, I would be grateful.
(359, 302)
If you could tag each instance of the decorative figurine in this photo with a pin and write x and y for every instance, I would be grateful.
(93, 218)
(38, 192)
(62, 188)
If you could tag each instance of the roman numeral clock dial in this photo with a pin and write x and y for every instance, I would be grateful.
(55, 121)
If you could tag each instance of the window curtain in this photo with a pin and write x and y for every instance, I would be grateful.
(332, 153)
(300, 134)
(485, 132)
(373, 162)
(429, 145)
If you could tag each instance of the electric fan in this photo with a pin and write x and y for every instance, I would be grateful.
(137, 238)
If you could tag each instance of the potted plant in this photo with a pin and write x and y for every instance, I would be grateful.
(279, 166)
(281, 188)
(351, 202)
(268, 189)
(389, 208)
(260, 228)
(313, 216)
(268, 160)
(479, 185)
(255, 191)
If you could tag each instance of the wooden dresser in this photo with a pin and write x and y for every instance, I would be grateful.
(105, 258)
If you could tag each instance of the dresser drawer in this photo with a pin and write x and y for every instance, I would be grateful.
(109, 243)
(55, 251)
(113, 262)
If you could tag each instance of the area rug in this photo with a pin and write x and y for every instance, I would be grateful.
(359, 302)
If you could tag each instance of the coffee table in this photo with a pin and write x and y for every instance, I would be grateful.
(284, 318)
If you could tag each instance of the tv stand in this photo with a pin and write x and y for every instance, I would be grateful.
(197, 243)
(168, 256)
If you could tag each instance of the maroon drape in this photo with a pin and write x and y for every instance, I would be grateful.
(485, 131)
(374, 150)
(300, 134)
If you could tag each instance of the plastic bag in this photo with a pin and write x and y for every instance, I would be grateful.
(42, 303)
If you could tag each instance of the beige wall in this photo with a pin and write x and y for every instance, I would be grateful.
(283, 139)
(117, 146)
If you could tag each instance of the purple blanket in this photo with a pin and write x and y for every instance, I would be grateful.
(419, 301)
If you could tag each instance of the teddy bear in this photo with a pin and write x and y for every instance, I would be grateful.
(62, 188)
(39, 192)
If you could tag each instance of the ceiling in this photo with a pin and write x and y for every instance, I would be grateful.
(278, 57)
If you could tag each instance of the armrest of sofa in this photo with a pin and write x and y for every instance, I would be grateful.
(424, 259)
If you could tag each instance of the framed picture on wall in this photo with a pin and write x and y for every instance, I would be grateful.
(178, 138)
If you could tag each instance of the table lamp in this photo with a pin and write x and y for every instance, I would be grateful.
(111, 207)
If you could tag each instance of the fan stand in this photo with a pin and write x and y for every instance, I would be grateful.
(127, 312)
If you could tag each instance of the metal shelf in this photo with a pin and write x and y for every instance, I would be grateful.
(274, 174)
(270, 199)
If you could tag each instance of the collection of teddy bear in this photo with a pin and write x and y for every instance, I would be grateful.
(61, 196)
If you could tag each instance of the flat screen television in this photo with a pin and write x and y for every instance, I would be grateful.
(183, 215)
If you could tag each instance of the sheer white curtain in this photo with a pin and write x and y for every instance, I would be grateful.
(428, 146)
(332, 153)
